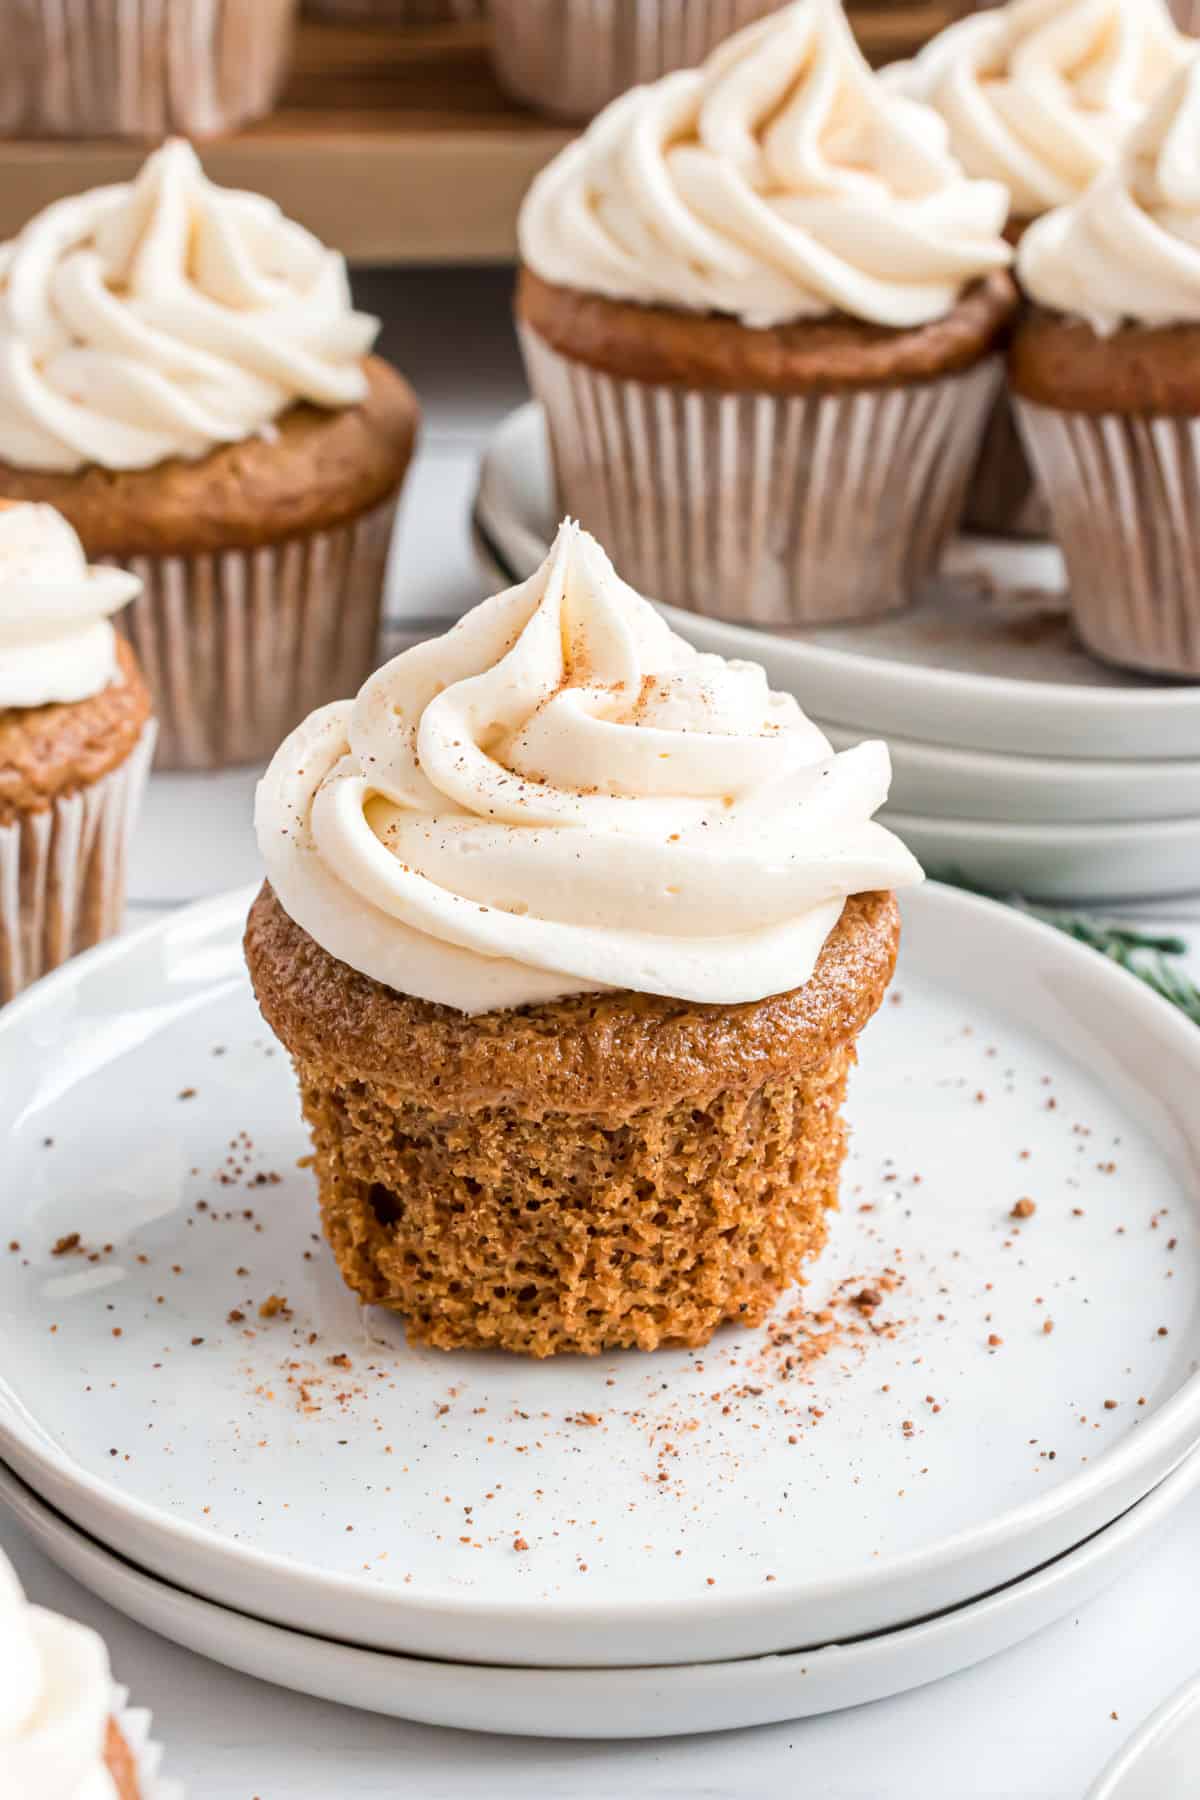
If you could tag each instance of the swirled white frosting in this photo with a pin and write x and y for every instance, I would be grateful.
(561, 796)
(56, 643)
(1128, 250)
(55, 1699)
(1039, 94)
(164, 318)
(780, 181)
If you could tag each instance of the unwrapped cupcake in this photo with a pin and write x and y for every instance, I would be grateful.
(183, 375)
(570, 932)
(1106, 379)
(760, 304)
(76, 739)
(143, 68)
(65, 1731)
(1040, 95)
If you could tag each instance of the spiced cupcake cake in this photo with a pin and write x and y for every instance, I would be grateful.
(570, 932)
(184, 377)
(760, 304)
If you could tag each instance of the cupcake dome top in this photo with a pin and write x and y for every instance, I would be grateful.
(165, 317)
(780, 181)
(1128, 250)
(1039, 94)
(561, 796)
(56, 642)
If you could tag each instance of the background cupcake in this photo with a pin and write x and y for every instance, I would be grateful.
(395, 12)
(183, 376)
(1039, 94)
(542, 946)
(143, 68)
(759, 303)
(1106, 376)
(76, 740)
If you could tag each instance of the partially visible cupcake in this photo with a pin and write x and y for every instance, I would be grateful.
(1106, 380)
(1040, 95)
(570, 932)
(76, 738)
(144, 68)
(65, 1731)
(183, 375)
(396, 12)
(569, 58)
(760, 304)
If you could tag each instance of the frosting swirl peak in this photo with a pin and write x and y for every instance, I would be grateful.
(164, 318)
(561, 796)
(55, 1702)
(56, 642)
(780, 181)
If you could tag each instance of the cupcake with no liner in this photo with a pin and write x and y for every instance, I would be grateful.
(760, 303)
(1040, 95)
(1106, 380)
(76, 738)
(570, 931)
(183, 375)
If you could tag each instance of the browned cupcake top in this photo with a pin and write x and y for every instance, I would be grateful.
(709, 351)
(48, 751)
(606, 1053)
(1142, 371)
(314, 471)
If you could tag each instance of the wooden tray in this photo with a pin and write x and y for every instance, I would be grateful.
(396, 146)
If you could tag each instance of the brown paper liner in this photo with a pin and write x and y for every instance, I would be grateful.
(1124, 496)
(145, 68)
(238, 646)
(569, 58)
(1003, 498)
(394, 12)
(785, 511)
(62, 871)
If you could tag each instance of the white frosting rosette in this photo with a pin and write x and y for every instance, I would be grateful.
(56, 641)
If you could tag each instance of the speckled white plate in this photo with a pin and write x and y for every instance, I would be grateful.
(618, 1703)
(1160, 1760)
(628, 1509)
(987, 661)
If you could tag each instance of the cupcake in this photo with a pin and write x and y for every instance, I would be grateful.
(570, 932)
(1106, 381)
(395, 12)
(76, 738)
(143, 68)
(569, 58)
(760, 304)
(1039, 94)
(65, 1732)
(183, 376)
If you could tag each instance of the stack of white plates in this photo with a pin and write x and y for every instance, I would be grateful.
(1020, 763)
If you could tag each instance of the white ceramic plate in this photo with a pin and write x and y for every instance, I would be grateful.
(1099, 864)
(722, 1504)
(615, 1703)
(986, 662)
(1160, 1761)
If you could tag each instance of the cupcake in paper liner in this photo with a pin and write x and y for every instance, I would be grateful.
(65, 1730)
(569, 58)
(76, 738)
(1106, 378)
(183, 375)
(570, 931)
(760, 304)
(144, 68)
(1039, 95)
(396, 12)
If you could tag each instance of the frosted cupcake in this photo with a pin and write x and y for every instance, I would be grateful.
(183, 375)
(143, 68)
(570, 931)
(1040, 95)
(65, 1732)
(760, 305)
(1106, 379)
(76, 738)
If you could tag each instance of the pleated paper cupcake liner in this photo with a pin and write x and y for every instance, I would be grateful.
(239, 645)
(1004, 498)
(785, 511)
(1124, 497)
(395, 12)
(62, 871)
(144, 68)
(569, 58)
(135, 1725)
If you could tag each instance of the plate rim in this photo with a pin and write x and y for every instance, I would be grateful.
(1185, 1699)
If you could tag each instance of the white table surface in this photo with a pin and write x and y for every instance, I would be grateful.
(1036, 1722)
